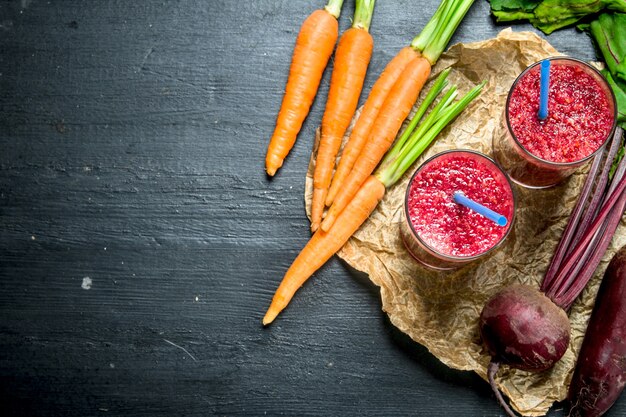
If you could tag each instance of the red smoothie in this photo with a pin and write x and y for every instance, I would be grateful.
(446, 227)
(580, 113)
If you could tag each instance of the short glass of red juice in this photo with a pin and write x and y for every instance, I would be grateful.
(441, 234)
(581, 117)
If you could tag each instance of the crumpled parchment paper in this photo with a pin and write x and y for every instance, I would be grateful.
(440, 310)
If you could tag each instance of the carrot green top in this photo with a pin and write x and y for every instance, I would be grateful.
(363, 14)
(415, 140)
(437, 33)
(334, 7)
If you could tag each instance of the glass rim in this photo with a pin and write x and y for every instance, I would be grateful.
(432, 250)
(591, 155)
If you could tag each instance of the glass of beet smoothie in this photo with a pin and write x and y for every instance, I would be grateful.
(581, 117)
(442, 234)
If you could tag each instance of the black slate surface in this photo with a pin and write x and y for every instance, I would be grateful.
(140, 240)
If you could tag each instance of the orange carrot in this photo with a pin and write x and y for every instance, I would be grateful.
(323, 245)
(379, 94)
(364, 123)
(314, 46)
(351, 60)
(395, 109)
(397, 105)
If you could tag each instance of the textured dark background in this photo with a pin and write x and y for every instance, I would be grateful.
(132, 141)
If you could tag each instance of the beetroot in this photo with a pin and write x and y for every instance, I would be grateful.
(524, 329)
(528, 329)
(600, 373)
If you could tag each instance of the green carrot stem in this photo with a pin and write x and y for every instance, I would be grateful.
(450, 114)
(439, 84)
(438, 42)
(363, 13)
(392, 174)
(334, 7)
(421, 40)
(437, 112)
(447, 100)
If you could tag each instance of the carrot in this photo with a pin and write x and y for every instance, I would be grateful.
(314, 46)
(364, 123)
(375, 100)
(351, 61)
(400, 100)
(323, 245)
(395, 109)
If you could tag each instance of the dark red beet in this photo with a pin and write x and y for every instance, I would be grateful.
(528, 330)
(524, 329)
(600, 373)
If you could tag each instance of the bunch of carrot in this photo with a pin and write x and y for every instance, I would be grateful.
(354, 191)
(414, 141)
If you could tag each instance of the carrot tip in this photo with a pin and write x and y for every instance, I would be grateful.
(270, 316)
(270, 171)
(314, 227)
(327, 223)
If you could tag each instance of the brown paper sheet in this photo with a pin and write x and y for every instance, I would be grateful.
(440, 310)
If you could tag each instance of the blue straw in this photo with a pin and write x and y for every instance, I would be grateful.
(544, 87)
(460, 198)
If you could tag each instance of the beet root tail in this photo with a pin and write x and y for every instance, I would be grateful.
(492, 369)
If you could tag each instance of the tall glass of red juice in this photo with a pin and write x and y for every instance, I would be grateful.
(442, 234)
(581, 117)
